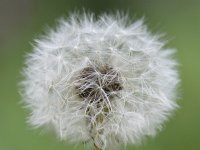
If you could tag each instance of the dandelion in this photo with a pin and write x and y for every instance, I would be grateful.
(101, 81)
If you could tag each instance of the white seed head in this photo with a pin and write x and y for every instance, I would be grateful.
(101, 81)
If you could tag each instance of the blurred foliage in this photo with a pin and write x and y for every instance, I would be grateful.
(23, 20)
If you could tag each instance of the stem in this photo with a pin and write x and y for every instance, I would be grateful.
(96, 148)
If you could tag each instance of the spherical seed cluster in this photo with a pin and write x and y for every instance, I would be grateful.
(101, 81)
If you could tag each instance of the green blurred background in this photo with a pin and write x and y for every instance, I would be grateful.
(23, 20)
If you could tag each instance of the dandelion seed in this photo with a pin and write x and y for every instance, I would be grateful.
(102, 81)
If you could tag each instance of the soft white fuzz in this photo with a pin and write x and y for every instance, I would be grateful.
(141, 63)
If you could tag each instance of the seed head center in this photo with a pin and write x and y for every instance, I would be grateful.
(98, 83)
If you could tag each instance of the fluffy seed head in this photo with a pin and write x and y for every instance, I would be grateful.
(101, 81)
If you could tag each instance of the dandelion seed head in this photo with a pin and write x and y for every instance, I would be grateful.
(101, 81)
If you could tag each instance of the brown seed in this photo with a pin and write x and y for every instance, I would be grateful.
(97, 82)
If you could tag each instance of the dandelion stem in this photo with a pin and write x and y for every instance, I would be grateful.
(96, 148)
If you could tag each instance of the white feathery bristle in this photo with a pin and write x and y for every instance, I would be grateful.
(101, 81)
